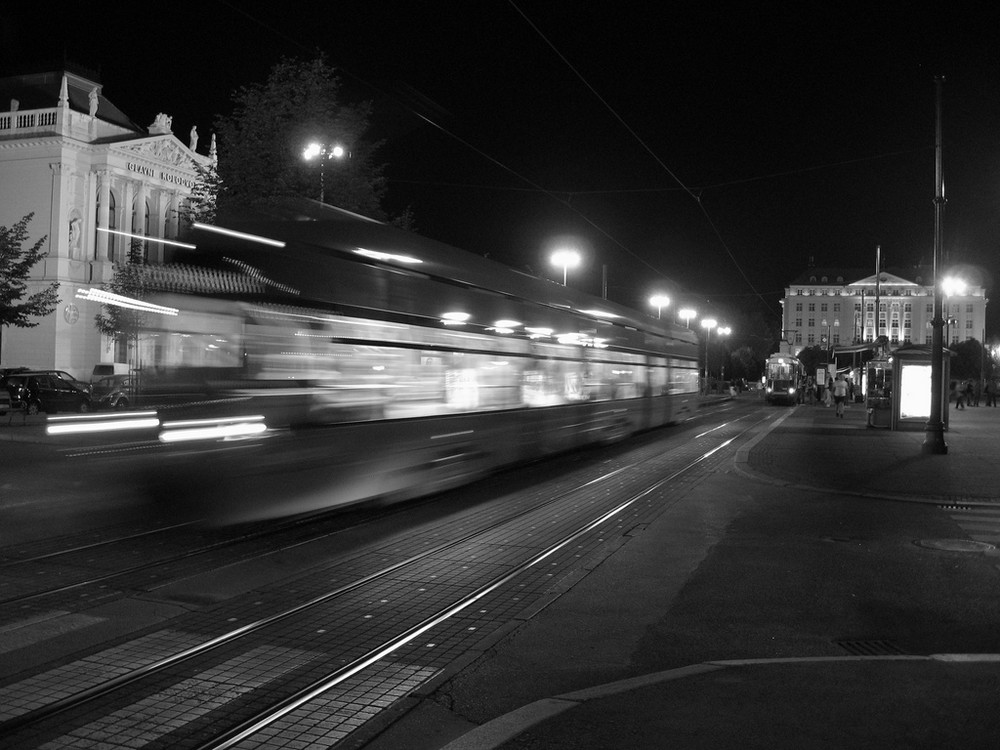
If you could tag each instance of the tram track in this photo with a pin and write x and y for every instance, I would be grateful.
(253, 721)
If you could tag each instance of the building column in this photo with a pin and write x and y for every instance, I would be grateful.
(127, 212)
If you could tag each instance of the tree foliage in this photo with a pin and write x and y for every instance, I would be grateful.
(261, 143)
(129, 280)
(969, 360)
(202, 203)
(16, 263)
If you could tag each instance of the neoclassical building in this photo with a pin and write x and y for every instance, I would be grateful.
(836, 307)
(93, 179)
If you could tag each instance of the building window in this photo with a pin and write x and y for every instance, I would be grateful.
(812, 307)
(798, 337)
(968, 324)
(112, 225)
(812, 339)
(798, 307)
(836, 307)
(812, 322)
(968, 309)
(798, 322)
(822, 308)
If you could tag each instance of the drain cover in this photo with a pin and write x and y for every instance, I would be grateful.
(955, 545)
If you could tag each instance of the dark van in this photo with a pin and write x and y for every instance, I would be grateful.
(46, 391)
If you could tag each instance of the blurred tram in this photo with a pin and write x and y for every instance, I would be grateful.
(320, 363)
(783, 379)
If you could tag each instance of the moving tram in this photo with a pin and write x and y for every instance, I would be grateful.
(319, 363)
(784, 378)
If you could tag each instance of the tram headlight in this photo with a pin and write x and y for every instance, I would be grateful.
(791, 391)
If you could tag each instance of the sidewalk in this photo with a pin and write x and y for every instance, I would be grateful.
(874, 699)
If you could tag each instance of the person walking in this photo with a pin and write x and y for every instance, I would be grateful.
(960, 396)
(840, 394)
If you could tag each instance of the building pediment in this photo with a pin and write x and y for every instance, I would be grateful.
(887, 279)
(165, 150)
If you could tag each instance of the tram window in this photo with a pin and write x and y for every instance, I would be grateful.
(658, 379)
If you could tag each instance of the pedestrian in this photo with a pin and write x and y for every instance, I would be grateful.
(991, 393)
(960, 396)
(969, 394)
(840, 394)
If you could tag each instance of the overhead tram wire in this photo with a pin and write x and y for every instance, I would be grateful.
(554, 195)
(695, 195)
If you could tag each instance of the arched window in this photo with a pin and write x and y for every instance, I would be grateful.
(112, 225)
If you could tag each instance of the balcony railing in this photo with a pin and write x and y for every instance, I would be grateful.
(29, 121)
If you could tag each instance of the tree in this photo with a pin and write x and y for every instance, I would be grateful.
(261, 143)
(15, 266)
(968, 361)
(124, 324)
(202, 203)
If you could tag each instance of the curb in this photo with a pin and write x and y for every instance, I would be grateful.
(496, 732)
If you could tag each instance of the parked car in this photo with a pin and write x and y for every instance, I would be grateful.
(113, 392)
(46, 391)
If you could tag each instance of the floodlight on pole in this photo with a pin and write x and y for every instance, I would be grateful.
(659, 301)
(566, 258)
(687, 314)
(324, 152)
(708, 324)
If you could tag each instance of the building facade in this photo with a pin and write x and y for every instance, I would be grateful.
(93, 180)
(834, 307)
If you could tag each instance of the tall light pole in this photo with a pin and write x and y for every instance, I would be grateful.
(708, 324)
(567, 259)
(659, 301)
(723, 331)
(324, 152)
(934, 431)
(687, 313)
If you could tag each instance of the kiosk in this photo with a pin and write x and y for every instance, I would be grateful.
(911, 391)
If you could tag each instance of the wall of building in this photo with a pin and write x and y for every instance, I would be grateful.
(65, 165)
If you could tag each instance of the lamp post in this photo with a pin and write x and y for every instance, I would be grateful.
(567, 259)
(708, 324)
(723, 331)
(687, 313)
(659, 301)
(934, 430)
(323, 152)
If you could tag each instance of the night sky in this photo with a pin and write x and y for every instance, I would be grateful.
(716, 148)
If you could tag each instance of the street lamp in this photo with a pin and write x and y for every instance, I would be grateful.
(324, 152)
(659, 301)
(687, 314)
(708, 324)
(567, 259)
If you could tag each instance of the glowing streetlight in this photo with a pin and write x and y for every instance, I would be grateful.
(951, 287)
(659, 301)
(687, 314)
(708, 324)
(566, 259)
(324, 152)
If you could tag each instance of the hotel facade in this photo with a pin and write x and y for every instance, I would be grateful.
(833, 307)
(93, 180)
